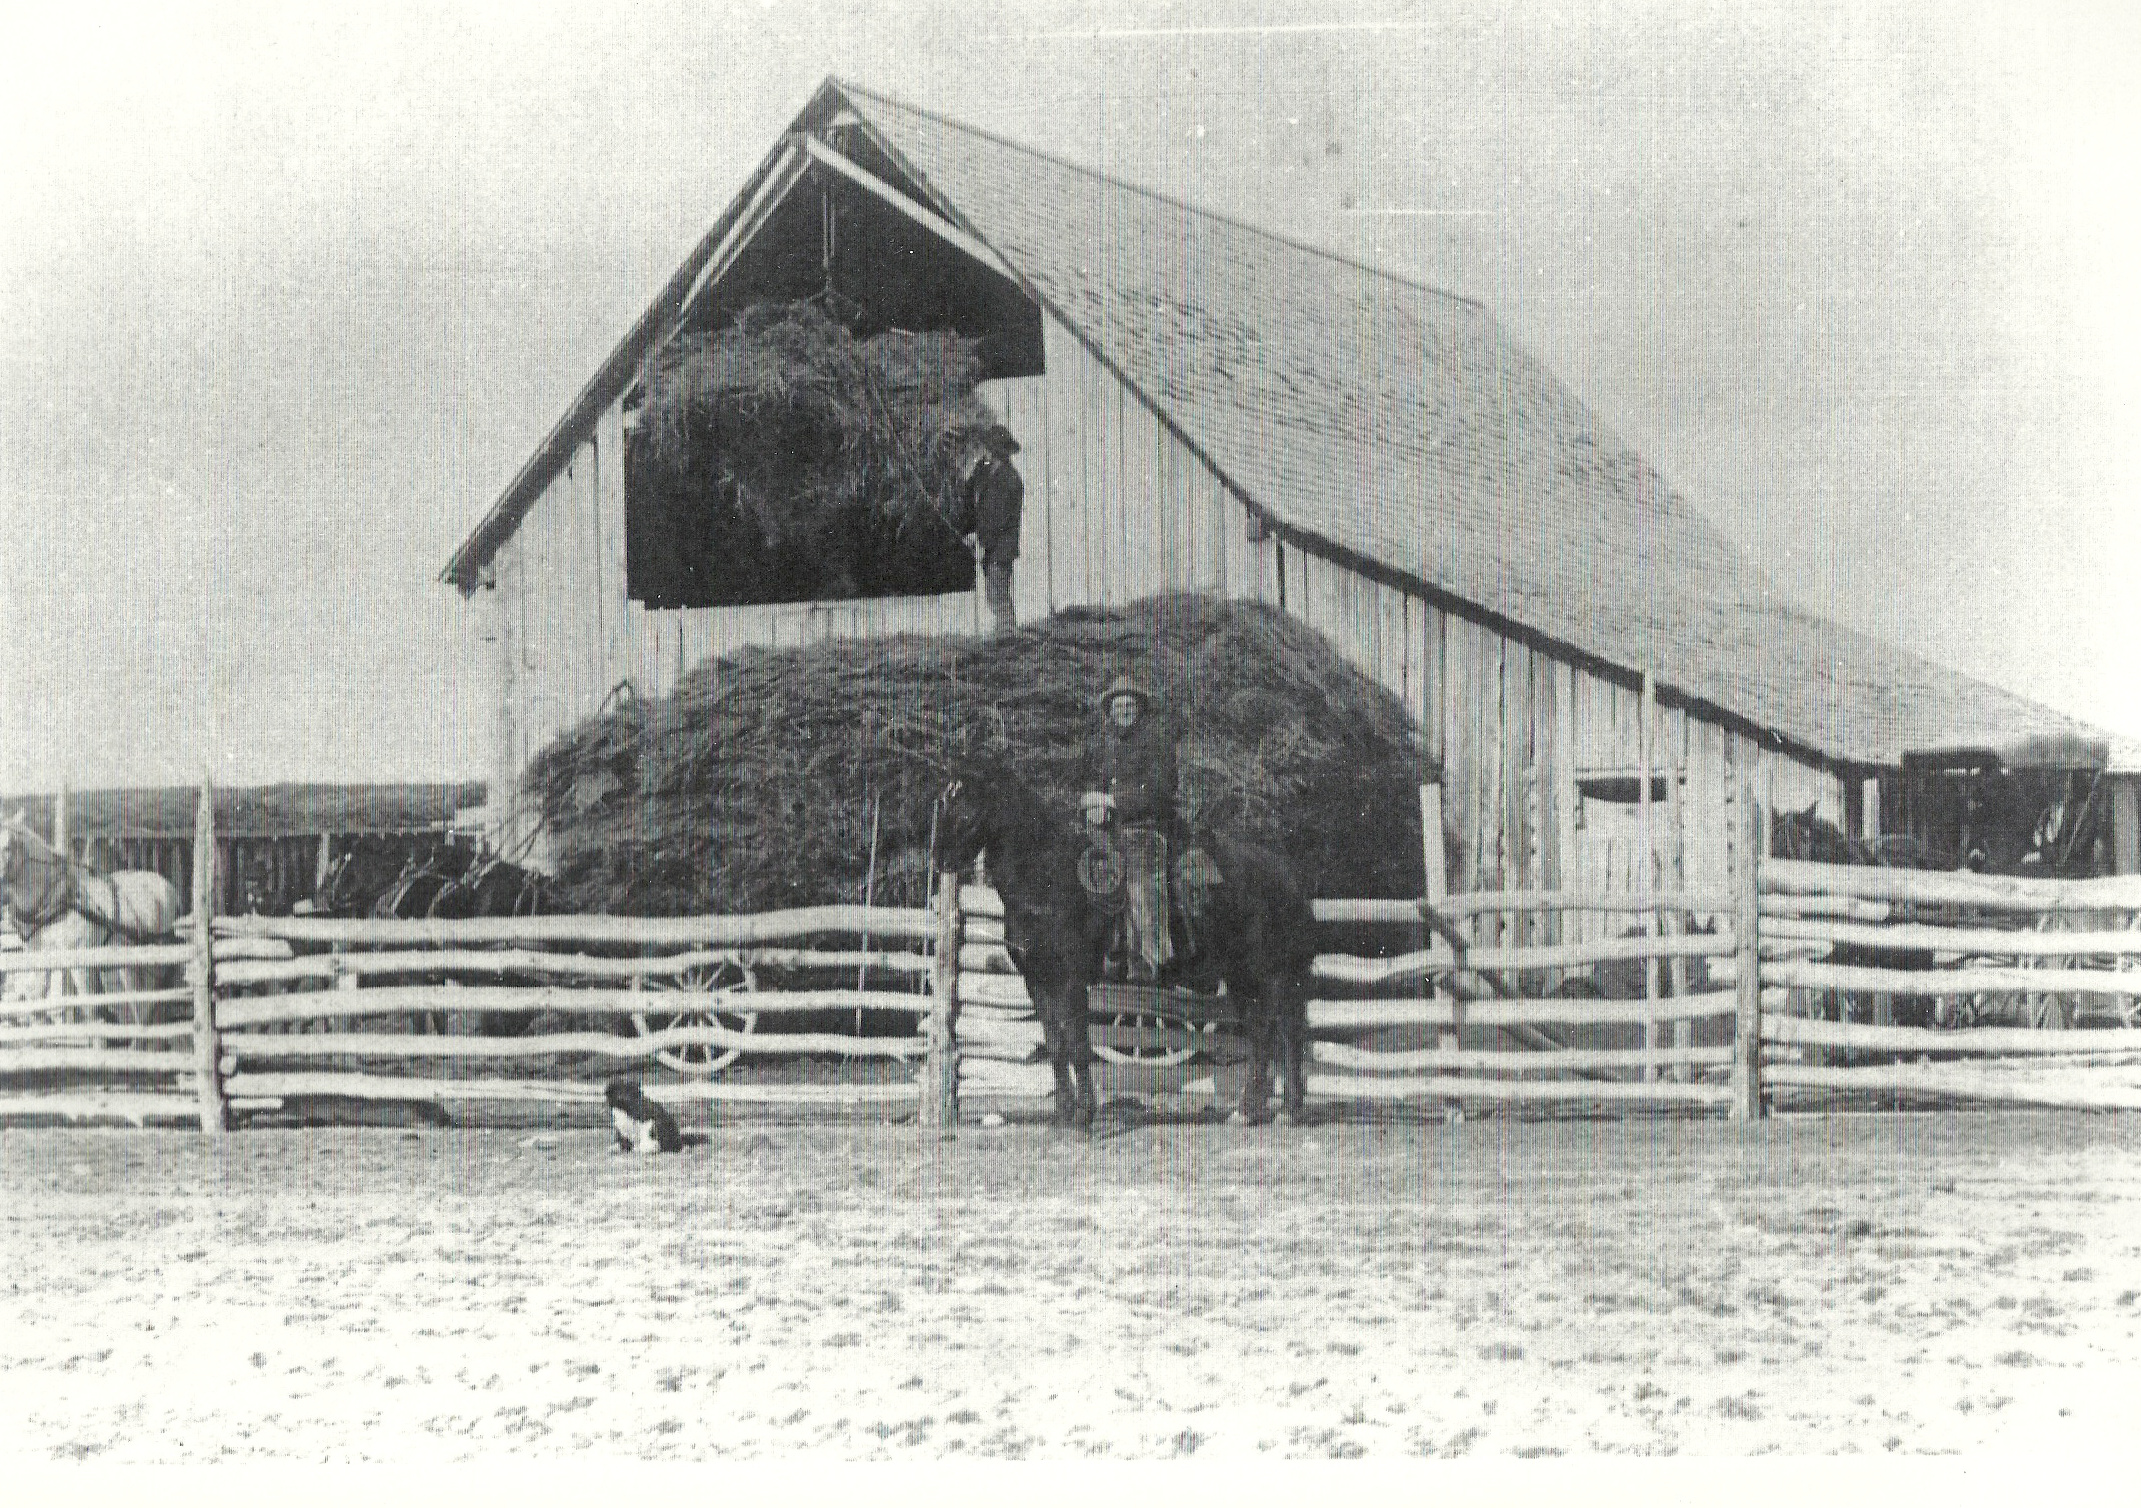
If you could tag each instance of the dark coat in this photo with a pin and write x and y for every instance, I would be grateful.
(1136, 768)
(992, 501)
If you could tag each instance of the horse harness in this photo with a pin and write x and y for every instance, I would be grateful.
(67, 896)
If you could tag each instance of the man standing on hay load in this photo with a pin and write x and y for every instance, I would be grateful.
(1129, 780)
(991, 497)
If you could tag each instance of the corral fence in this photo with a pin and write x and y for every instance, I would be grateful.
(271, 868)
(1739, 1001)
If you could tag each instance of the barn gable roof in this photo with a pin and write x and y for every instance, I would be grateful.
(1398, 426)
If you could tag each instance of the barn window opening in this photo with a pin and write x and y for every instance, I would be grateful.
(814, 428)
(1623, 790)
(1611, 802)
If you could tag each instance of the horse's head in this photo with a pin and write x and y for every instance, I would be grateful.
(1806, 835)
(962, 824)
(332, 893)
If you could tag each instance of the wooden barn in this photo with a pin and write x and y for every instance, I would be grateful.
(1200, 404)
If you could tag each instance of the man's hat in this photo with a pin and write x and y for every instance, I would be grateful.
(1126, 685)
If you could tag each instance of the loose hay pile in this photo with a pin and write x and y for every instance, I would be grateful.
(756, 785)
(806, 463)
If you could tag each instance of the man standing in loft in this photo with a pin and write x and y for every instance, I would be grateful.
(991, 495)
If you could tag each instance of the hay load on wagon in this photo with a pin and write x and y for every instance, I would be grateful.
(764, 781)
(792, 462)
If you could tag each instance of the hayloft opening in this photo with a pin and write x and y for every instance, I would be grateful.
(805, 430)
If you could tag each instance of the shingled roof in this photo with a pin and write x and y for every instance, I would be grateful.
(1399, 425)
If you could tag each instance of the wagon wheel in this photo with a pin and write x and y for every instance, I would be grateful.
(2048, 1012)
(2127, 1008)
(1143, 1039)
(726, 976)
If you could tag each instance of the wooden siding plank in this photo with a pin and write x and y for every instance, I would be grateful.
(1032, 585)
(506, 610)
(1430, 626)
(1294, 591)
(544, 660)
(585, 586)
(1491, 847)
(1148, 542)
(1565, 793)
(1209, 501)
(1071, 514)
(1336, 592)
(1460, 655)
(1200, 502)
(1243, 571)
(1518, 864)
(1102, 434)
(550, 670)
(1393, 663)
(1545, 786)
(1460, 776)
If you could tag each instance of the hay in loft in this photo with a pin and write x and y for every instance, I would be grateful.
(757, 784)
(786, 453)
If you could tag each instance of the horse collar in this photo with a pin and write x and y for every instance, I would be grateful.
(64, 897)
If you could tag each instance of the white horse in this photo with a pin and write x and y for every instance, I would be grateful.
(59, 905)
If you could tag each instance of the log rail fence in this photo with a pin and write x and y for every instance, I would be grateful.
(285, 1010)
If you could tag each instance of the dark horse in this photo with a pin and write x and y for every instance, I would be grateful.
(385, 879)
(1256, 932)
(1803, 835)
(493, 886)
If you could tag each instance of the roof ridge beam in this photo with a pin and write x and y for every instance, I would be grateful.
(788, 170)
(921, 214)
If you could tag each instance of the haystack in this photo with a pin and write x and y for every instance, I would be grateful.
(824, 465)
(760, 782)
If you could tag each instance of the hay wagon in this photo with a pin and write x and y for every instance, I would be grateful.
(2027, 807)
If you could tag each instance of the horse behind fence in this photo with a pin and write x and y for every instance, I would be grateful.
(59, 905)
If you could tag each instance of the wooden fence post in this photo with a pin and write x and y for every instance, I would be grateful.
(207, 1050)
(1677, 923)
(1746, 926)
(939, 1109)
(1434, 859)
(1647, 861)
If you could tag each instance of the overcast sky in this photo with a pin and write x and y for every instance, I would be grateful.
(286, 296)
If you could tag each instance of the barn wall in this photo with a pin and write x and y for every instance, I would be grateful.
(1117, 508)
(556, 609)
(661, 645)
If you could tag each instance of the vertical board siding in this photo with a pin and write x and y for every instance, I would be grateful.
(1461, 740)
(610, 596)
(1152, 542)
(1517, 831)
(667, 643)
(1117, 508)
(1069, 520)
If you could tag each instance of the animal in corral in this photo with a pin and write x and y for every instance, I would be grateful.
(370, 866)
(427, 872)
(1807, 835)
(58, 905)
(642, 1125)
(1257, 933)
(494, 886)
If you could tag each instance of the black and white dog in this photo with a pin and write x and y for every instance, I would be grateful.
(642, 1125)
